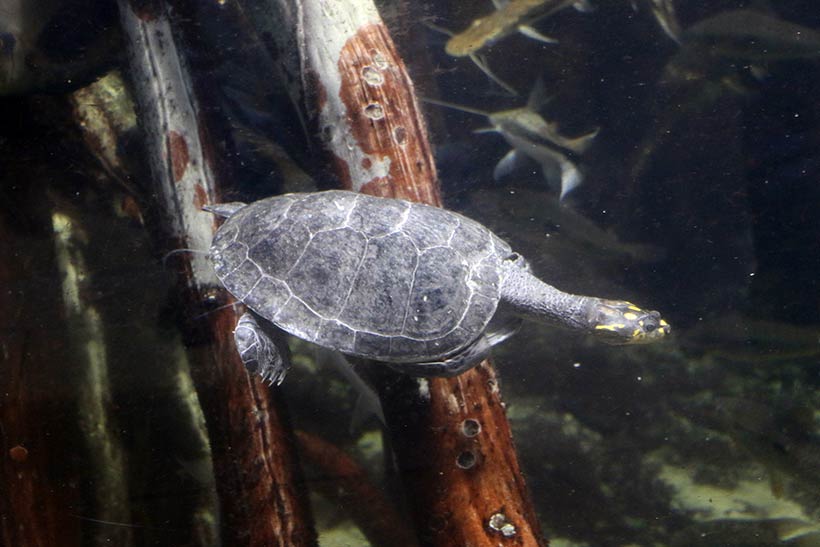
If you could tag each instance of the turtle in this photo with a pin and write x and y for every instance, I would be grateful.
(384, 279)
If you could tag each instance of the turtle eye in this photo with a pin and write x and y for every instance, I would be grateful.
(650, 327)
(513, 257)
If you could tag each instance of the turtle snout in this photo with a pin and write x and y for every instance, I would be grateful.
(650, 327)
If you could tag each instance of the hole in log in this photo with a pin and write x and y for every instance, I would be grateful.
(466, 459)
(470, 427)
(372, 76)
(374, 111)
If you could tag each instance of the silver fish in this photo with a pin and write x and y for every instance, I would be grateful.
(478, 60)
(531, 136)
(664, 13)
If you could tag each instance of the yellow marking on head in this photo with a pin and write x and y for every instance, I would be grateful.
(638, 333)
(664, 323)
(633, 307)
(613, 328)
(631, 316)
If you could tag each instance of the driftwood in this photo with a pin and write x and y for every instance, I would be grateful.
(32, 503)
(63, 463)
(257, 476)
(452, 437)
(347, 484)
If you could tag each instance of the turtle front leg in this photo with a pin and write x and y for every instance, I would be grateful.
(261, 352)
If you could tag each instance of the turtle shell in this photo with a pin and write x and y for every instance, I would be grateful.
(373, 277)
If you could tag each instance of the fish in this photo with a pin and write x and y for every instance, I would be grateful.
(664, 13)
(525, 29)
(563, 226)
(782, 435)
(749, 532)
(54, 45)
(736, 338)
(723, 47)
(367, 406)
(511, 16)
(478, 60)
(720, 57)
(753, 36)
(532, 136)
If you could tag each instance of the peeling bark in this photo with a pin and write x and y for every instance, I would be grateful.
(258, 479)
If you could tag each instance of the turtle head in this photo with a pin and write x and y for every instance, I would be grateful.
(620, 322)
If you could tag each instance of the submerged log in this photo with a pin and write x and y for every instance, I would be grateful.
(63, 478)
(344, 482)
(451, 436)
(257, 477)
(34, 470)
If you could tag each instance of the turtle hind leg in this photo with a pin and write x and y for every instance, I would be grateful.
(260, 351)
(454, 365)
(472, 355)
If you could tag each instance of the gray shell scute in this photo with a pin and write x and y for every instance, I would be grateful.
(226, 259)
(486, 278)
(242, 279)
(378, 297)
(226, 236)
(300, 320)
(323, 211)
(278, 248)
(324, 288)
(440, 294)
(474, 240)
(268, 296)
(369, 343)
(377, 217)
(258, 222)
(336, 335)
(454, 338)
(403, 348)
(479, 308)
(430, 227)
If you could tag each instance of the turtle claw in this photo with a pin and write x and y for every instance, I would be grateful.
(259, 352)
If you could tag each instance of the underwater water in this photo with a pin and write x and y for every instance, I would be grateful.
(658, 151)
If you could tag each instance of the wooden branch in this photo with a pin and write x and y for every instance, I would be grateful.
(32, 447)
(90, 384)
(452, 436)
(63, 464)
(344, 482)
(258, 479)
